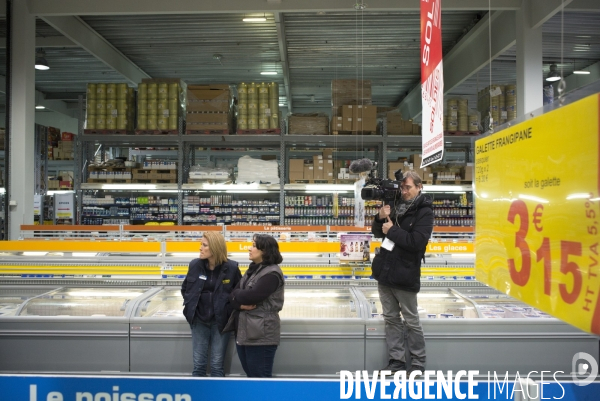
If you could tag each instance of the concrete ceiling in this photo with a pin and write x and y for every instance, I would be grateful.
(308, 44)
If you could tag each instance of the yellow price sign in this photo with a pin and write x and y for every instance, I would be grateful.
(538, 212)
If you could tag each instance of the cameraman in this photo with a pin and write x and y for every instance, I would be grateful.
(406, 229)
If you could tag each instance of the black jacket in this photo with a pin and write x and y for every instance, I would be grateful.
(229, 276)
(401, 268)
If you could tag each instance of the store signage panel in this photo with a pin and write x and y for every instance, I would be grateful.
(538, 212)
(374, 387)
(432, 81)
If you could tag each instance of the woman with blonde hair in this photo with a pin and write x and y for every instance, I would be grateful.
(205, 289)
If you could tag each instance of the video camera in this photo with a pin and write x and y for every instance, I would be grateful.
(375, 188)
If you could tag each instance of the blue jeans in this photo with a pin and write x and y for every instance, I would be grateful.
(205, 335)
(257, 360)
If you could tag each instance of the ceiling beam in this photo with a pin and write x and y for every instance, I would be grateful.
(584, 5)
(469, 56)
(48, 42)
(542, 10)
(84, 36)
(279, 22)
(124, 7)
(40, 100)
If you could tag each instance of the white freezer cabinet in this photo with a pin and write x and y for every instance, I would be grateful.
(70, 329)
(321, 333)
(460, 334)
(12, 298)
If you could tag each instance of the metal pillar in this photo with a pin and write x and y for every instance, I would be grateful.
(529, 63)
(283, 167)
(180, 171)
(22, 117)
(79, 161)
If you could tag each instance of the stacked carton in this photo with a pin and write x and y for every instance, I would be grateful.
(351, 106)
(350, 91)
(308, 124)
(258, 106)
(413, 163)
(109, 106)
(320, 168)
(160, 104)
(208, 108)
(397, 126)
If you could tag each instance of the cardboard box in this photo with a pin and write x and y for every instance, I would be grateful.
(393, 167)
(364, 118)
(211, 98)
(328, 165)
(467, 173)
(297, 175)
(416, 159)
(327, 154)
(416, 129)
(394, 123)
(308, 124)
(309, 172)
(336, 123)
(56, 153)
(318, 160)
(350, 91)
(296, 165)
(67, 136)
(219, 118)
(319, 172)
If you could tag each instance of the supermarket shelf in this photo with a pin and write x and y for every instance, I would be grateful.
(132, 140)
(329, 140)
(417, 140)
(242, 188)
(133, 187)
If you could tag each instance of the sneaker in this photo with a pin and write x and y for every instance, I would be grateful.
(395, 366)
(413, 368)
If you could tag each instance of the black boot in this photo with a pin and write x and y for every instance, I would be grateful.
(395, 366)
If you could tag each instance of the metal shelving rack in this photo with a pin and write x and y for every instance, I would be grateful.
(186, 153)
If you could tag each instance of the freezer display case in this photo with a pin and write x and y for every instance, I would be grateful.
(321, 333)
(70, 329)
(459, 334)
(160, 337)
(13, 297)
(322, 330)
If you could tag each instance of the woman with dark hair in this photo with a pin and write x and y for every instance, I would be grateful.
(257, 300)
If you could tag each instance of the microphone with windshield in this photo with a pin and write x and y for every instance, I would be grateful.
(361, 166)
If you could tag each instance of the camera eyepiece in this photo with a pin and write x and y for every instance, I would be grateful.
(399, 176)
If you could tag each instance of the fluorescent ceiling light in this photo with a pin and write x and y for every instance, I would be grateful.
(581, 72)
(60, 192)
(170, 191)
(322, 191)
(2, 190)
(444, 188)
(268, 73)
(225, 187)
(40, 107)
(533, 198)
(241, 191)
(128, 186)
(281, 104)
(34, 253)
(327, 187)
(254, 19)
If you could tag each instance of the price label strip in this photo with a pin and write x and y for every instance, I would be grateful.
(538, 212)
